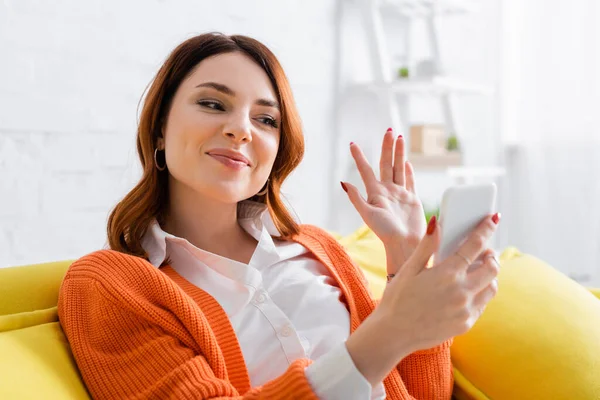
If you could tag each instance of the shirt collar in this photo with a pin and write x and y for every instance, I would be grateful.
(253, 217)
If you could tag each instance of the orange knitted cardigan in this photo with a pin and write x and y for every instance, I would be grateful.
(138, 332)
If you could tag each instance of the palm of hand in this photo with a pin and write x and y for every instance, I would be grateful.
(397, 215)
(392, 209)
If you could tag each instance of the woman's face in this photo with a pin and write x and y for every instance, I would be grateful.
(222, 131)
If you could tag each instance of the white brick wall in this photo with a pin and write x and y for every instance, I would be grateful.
(71, 75)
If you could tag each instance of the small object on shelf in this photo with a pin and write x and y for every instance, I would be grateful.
(453, 144)
(403, 72)
(427, 69)
(427, 139)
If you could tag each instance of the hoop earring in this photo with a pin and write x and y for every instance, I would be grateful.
(265, 190)
(156, 161)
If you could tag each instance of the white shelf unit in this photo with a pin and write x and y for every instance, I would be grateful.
(427, 8)
(395, 93)
(434, 87)
(469, 174)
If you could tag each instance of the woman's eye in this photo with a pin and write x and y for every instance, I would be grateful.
(214, 105)
(268, 121)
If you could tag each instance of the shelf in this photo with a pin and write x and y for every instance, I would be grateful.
(452, 164)
(476, 172)
(435, 161)
(427, 8)
(436, 86)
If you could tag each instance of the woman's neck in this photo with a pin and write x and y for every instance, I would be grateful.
(208, 224)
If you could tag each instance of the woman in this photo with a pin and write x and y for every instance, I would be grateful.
(212, 290)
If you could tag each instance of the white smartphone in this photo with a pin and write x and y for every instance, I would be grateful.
(463, 208)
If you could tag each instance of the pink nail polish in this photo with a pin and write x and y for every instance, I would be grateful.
(399, 136)
(351, 143)
(389, 129)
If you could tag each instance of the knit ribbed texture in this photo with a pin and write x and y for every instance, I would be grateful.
(138, 332)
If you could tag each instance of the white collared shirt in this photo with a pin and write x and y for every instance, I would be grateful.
(283, 305)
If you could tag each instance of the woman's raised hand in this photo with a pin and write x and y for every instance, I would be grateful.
(392, 209)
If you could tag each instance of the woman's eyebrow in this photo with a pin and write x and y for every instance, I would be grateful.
(218, 86)
(268, 103)
(226, 90)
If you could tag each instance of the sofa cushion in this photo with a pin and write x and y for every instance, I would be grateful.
(26, 319)
(37, 363)
(365, 248)
(31, 287)
(538, 339)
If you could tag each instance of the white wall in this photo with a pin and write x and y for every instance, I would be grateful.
(71, 75)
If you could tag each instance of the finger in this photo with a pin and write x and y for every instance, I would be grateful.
(481, 259)
(475, 243)
(355, 198)
(428, 245)
(365, 170)
(492, 255)
(489, 253)
(479, 278)
(481, 300)
(486, 254)
(399, 160)
(386, 171)
(410, 177)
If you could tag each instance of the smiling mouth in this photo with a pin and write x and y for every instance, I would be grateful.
(229, 162)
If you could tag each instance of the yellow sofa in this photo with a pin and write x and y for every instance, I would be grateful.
(36, 361)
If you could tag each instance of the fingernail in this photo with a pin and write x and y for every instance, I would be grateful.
(344, 187)
(389, 130)
(496, 218)
(399, 136)
(351, 143)
(431, 226)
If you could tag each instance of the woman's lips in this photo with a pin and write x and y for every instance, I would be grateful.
(229, 162)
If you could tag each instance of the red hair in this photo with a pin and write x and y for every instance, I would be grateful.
(130, 218)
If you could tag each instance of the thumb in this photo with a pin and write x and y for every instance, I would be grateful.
(355, 198)
(426, 248)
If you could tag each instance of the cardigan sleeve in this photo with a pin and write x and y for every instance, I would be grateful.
(428, 374)
(122, 354)
(334, 376)
(424, 374)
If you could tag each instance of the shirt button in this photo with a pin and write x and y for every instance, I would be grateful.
(286, 331)
(260, 298)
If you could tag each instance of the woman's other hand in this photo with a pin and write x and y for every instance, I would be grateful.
(423, 307)
(445, 300)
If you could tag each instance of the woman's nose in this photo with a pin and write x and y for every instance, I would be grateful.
(239, 130)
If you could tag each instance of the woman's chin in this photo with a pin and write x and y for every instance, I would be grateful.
(230, 195)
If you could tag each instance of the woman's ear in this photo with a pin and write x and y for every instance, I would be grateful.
(160, 143)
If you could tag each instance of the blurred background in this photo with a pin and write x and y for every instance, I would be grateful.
(490, 90)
